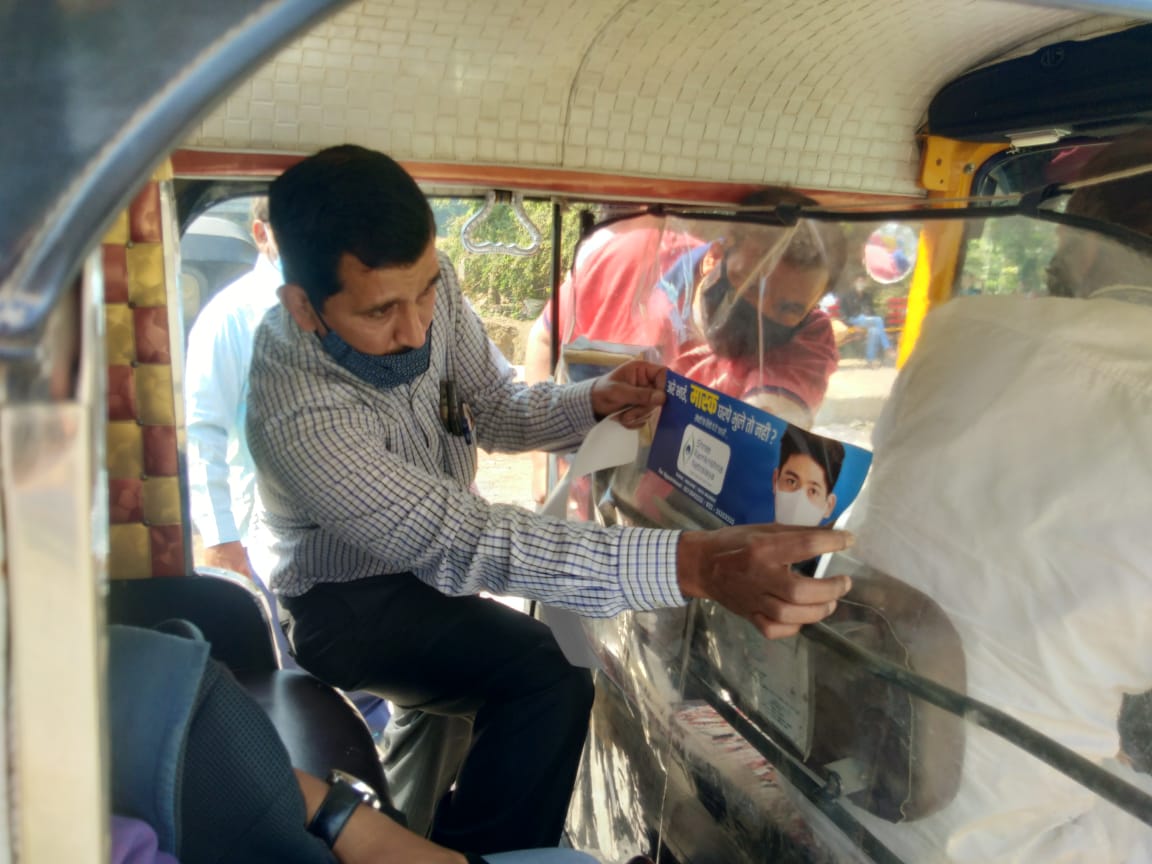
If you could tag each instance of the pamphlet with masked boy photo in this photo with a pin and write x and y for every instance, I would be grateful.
(744, 465)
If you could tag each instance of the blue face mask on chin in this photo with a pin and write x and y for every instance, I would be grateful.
(382, 371)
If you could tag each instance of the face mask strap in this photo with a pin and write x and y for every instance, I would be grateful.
(320, 318)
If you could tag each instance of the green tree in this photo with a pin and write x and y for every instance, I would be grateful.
(1010, 256)
(499, 283)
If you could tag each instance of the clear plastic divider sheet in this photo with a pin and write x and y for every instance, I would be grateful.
(977, 697)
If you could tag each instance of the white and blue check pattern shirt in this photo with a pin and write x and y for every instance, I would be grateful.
(358, 482)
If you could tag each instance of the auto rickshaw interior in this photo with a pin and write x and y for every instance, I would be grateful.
(708, 743)
(722, 745)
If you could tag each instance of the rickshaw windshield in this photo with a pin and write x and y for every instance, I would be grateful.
(976, 697)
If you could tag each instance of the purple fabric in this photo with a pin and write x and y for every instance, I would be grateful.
(134, 842)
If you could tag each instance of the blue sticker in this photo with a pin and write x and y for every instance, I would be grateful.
(747, 466)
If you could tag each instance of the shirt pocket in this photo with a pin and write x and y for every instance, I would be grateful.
(412, 433)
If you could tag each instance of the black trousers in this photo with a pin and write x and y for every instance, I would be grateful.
(463, 657)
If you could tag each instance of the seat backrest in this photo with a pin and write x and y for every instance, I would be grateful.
(909, 752)
(320, 728)
(232, 615)
(194, 756)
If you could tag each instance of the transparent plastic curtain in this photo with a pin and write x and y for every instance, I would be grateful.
(996, 557)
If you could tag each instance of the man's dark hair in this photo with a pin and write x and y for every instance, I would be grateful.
(827, 453)
(346, 199)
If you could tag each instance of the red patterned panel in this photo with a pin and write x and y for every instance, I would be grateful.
(160, 451)
(167, 550)
(144, 219)
(115, 274)
(125, 501)
(152, 345)
(121, 393)
(144, 492)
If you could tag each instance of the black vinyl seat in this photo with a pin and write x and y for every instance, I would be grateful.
(319, 726)
(232, 615)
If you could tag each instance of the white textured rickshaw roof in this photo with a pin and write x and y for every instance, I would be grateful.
(814, 93)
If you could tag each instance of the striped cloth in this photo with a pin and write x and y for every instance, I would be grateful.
(358, 482)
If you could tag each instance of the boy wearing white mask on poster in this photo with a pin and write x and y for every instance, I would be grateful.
(805, 477)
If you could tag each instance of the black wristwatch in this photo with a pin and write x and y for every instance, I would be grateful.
(345, 794)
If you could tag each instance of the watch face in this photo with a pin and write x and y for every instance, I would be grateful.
(367, 793)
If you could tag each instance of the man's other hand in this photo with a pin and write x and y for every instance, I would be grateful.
(636, 388)
(747, 569)
(229, 556)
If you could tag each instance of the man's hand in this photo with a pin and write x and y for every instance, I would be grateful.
(637, 386)
(747, 570)
(230, 556)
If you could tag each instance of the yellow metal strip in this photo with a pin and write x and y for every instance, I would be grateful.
(947, 169)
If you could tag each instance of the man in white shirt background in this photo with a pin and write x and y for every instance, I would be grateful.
(221, 477)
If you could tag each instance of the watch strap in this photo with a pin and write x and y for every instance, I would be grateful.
(335, 811)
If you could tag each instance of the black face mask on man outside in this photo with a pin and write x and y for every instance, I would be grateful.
(738, 333)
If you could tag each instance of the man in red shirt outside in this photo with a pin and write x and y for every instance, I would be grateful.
(752, 328)
(609, 294)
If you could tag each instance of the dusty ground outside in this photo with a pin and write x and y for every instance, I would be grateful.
(504, 478)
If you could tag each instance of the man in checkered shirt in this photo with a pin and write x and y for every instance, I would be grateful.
(381, 543)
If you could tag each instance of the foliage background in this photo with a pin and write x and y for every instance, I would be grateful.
(499, 284)
(1008, 257)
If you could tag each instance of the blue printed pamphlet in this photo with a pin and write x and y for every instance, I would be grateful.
(745, 465)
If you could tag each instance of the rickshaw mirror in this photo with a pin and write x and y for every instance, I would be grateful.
(890, 252)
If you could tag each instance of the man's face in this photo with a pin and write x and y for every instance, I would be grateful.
(783, 292)
(791, 292)
(386, 310)
(802, 493)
